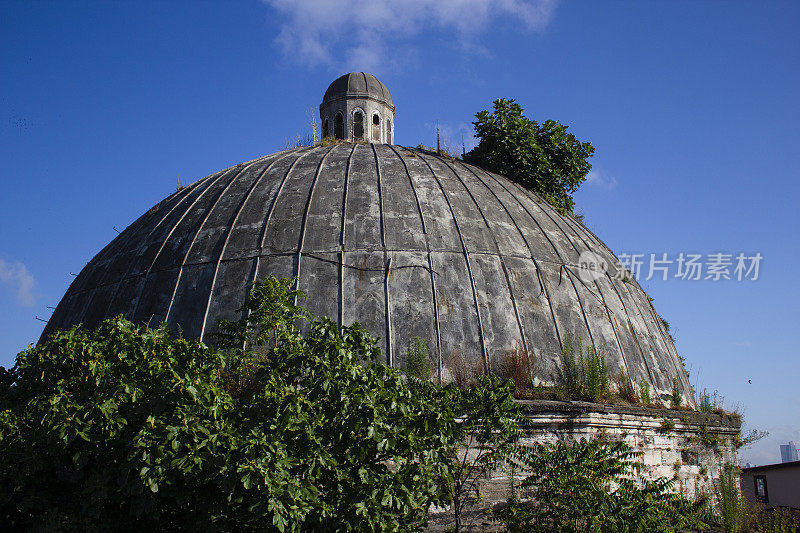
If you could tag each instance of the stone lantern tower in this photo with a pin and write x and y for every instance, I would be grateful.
(358, 107)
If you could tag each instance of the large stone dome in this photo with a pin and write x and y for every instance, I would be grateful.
(404, 241)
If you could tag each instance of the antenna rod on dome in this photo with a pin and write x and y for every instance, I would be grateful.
(437, 136)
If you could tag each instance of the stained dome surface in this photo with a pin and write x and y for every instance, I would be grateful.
(358, 84)
(404, 241)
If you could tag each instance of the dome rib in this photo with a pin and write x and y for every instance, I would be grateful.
(602, 298)
(527, 245)
(562, 267)
(152, 268)
(386, 261)
(465, 251)
(436, 325)
(490, 230)
(230, 231)
(234, 174)
(130, 262)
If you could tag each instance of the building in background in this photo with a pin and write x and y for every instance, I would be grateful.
(775, 485)
(789, 453)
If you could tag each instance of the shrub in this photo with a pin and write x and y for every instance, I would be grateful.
(735, 513)
(542, 157)
(129, 428)
(707, 403)
(482, 438)
(568, 490)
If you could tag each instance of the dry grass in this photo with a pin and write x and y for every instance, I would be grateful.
(625, 389)
(517, 365)
(463, 371)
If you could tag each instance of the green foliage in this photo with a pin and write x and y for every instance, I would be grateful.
(481, 439)
(418, 359)
(707, 403)
(595, 486)
(130, 428)
(734, 512)
(585, 376)
(542, 157)
(644, 391)
(675, 398)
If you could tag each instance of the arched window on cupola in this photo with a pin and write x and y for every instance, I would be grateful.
(325, 129)
(358, 126)
(376, 128)
(338, 126)
(388, 131)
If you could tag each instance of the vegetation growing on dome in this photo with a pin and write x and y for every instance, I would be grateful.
(544, 157)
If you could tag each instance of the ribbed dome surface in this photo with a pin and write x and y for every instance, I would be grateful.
(403, 241)
(358, 84)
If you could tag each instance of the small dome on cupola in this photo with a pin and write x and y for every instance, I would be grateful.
(358, 107)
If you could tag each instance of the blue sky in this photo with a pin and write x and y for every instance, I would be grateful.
(692, 108)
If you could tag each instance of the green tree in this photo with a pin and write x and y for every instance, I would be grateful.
(482, 437)
(129, 428)
(589, 486)
(542, 157)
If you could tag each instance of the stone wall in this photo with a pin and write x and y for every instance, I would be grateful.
(690, 445)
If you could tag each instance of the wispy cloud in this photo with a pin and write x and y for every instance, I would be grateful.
(16, 276)
(600, 179)
(355, 34)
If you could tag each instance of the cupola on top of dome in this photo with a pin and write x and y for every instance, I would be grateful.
(358, 107)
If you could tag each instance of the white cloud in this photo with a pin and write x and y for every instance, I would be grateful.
(354, 33)
(601, 179)
(16, 275)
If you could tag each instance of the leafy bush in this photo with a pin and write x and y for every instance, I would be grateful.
(542, 157)
(482, 438)
(595, 486)
(131, 428)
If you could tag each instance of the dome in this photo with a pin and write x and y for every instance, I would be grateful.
(358, 85)
(404, 241)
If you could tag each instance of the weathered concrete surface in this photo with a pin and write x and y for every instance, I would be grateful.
(406, 242)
